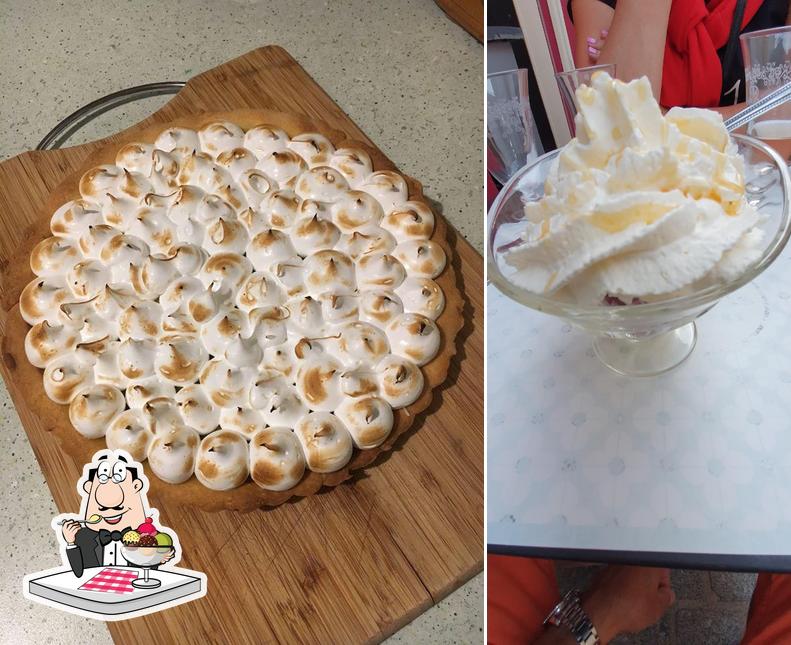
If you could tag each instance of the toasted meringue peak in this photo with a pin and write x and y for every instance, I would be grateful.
(388, 187)
(276, 399)
(282, 205)
(368, 420)
(93, 240)
(65, 375)
(136, 358)
(362, 343)
(226, 384)
(410, 221)
(53, 256)
(222, 461)
(379, 271)
(268, 247)
(379, 307)
(87, 278)
(141, 320)
(243, 420)
(414, 337)
(197, 409)
(225, 271)
(337, 309)
(354, 164)
(329, 271)
(260, 289)
(46, 341)
(73, 219)
(226, 236)
(422, 296)
(41, 299)
(276, 459)
(93, 408)
(265, 139)
(325, 441)
(400, 381)
(237, 161)
(162, 413)
(356, 209)
(359, 244)
(256, 186)
(180, 359)
(180, 140)
(319, 383)
(136, 157)
(312, 234)
(217, 138)
(322, 184)
(314, 148)
(284, 166)
(172, 454)
(130, 431)
(142, 390)
(422, 258)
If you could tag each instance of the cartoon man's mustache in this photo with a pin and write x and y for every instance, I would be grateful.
(111, 508)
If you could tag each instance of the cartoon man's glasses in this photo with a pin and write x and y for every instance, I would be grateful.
(107, 471)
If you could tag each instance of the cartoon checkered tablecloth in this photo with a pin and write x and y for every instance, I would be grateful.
(112, 580)
(697, 460)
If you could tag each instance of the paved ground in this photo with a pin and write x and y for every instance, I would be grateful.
(711, 607)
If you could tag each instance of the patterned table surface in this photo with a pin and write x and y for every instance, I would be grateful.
(697, 461)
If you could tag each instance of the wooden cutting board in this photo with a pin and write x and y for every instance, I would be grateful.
(350, 565)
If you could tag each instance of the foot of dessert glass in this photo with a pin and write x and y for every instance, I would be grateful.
(651, 356)
(641, 339)
(145, 557)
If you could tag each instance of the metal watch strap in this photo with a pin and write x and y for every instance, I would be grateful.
(570, 614)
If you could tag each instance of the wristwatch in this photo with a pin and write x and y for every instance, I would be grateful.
(570, 614)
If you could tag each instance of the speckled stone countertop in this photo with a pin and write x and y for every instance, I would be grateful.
(413, 83)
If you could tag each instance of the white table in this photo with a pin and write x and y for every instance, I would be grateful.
(692, 468)
(60, 588)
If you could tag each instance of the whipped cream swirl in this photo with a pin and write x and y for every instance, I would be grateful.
(640, 206)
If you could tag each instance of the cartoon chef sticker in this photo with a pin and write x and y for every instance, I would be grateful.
(115, 553)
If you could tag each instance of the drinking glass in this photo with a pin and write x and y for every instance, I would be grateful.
(512, 139)
(767, 66)
(571, 80)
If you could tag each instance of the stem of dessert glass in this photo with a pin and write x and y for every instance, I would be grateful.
(649, 356)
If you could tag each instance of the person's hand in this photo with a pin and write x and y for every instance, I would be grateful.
(627, 599)
(168, 556)
(595, 46)
(69, 529)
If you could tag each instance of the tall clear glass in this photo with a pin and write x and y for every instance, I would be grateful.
(571, 80)
(512, 139)
(767, 66)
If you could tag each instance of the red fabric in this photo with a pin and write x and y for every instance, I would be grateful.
(112, 580)
(692, 72)
(769, 620)
(520, 593)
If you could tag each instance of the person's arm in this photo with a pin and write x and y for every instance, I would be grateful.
(620, 600)
(594, 17)
(635, 40)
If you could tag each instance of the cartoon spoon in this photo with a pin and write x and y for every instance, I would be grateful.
(93, 519)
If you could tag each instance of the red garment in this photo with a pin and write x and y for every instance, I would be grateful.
(692, 73)
(520, 592)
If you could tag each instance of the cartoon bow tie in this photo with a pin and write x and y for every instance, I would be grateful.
(105, 536)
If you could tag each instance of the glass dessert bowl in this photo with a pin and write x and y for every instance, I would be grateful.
(145, 557)
(642, 339)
